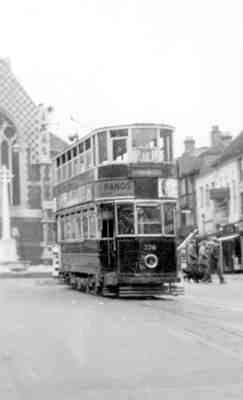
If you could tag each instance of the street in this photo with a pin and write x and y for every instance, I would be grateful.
(56, 343)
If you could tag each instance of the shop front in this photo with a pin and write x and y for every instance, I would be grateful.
(231, 247)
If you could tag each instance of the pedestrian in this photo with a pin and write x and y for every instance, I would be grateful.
(191, 271)
(217, 261)
(204, 262)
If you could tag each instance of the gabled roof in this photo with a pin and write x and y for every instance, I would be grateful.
(233, 150)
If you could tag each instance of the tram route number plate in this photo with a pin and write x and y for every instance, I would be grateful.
(116, 188)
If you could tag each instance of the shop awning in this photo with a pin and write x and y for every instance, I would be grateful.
(230, 237)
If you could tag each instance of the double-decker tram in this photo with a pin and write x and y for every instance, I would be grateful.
(115, 193)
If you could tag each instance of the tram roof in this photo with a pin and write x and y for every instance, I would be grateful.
(110, 127)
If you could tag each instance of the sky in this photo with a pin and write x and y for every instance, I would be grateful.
(123, 61)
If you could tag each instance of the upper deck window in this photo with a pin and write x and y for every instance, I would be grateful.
(102, 147)
(75, 152)
(69, 155)
(81, 148)
(63, 158)
(58, 162)
(144, 137)
(145, 145)
(119, 149)
(87, 144)
(166, 144)
(119, 133)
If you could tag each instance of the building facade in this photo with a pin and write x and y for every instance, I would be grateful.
(189, 165)
(219, 193)
(26, 148)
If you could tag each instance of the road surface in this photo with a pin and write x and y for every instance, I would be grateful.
(56, 343)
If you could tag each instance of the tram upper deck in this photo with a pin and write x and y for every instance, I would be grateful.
(125, 151)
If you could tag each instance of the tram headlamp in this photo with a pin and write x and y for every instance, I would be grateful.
(151, 261)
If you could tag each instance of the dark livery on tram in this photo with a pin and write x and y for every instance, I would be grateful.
(115, 192)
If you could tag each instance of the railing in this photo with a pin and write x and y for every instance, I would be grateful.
(143, 154)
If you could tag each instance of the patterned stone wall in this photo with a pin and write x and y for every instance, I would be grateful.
(24, 132)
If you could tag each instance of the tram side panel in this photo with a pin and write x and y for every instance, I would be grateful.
(80, 258)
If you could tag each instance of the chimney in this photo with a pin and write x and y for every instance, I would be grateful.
(216, 136)
(189, 143)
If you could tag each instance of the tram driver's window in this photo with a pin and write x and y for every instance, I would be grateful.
(149, 220)
(125, 219)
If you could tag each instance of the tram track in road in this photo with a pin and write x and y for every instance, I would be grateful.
(204, 329)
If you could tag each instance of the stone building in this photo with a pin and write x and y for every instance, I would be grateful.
(26, 148)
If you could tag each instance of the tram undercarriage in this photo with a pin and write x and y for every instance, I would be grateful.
(123, 286)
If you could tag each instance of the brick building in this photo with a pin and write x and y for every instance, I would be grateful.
(26, 148)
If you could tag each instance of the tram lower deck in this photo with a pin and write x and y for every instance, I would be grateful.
(122, 266)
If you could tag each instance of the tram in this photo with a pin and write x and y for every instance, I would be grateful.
(115, 193)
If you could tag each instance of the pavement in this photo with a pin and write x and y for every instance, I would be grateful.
(25, 271)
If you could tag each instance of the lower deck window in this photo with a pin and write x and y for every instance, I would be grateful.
(169, 218)
(125, 217)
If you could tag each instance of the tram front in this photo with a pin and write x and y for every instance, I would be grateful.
(139, 246)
